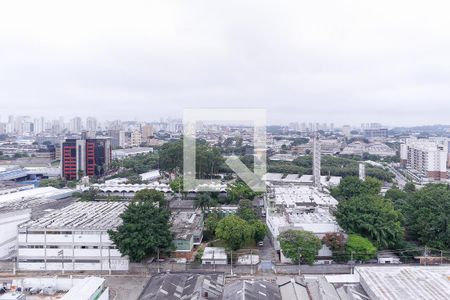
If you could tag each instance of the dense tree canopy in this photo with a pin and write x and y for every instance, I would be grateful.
(204, 201)
(373, 217)
(144, 231)
(137, 164)
(427, 216)
(334, 166)
(300, 245)
(245, 211)
(234, 231)
(209, 159)
(152, 196)
(238, 191)
(352, 186)
(211, 224)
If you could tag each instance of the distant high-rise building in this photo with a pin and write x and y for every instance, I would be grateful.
(81, 157)
(118, 139)
(147, 132)
(346, 131)
(91, 124)
(375, 132)
(75, 125)
(136, 138)
(38, 125)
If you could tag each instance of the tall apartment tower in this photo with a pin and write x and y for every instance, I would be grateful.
(81, 157)
(316, 161)
(426, 158)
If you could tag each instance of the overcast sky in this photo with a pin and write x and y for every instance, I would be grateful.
(307, 61)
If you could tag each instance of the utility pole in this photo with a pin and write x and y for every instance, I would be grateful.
(299, 261)
(231, 262)
(109, 259)
(251, 261)
(158, 261)
(214, 260)
(352, 262)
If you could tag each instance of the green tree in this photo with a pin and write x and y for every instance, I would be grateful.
(207, 162)
(352, 186)
(245, 211)
(134, 179)
(177, 184)
(397, 196)
(151, 196)
(56, 183)
(204, 201)
(409, 187)
(234, 231)
(373, 217)
(171, 157)
(427, 216)
(238, 191)
(145, 230)
(359, 248)
(260, 230)
(91, 194)
(297, 244)
(211, 224)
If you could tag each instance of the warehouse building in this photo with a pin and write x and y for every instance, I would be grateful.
(18, 206)
(73, 238)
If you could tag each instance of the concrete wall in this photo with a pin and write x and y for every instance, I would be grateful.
(8, 229)
(80, 251)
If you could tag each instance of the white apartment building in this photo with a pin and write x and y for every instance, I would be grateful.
(425, 158)
(73, 238)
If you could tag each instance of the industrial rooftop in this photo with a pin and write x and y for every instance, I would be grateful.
(406, 283)
(186, 223)
(293, 196)
(32, 197)
(101, 215)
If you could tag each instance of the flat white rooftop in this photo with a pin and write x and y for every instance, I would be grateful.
(292, 196)
(32, 197)
(319, 222)
(406, 283)
(101, 215)
(85, 289)
(214, 253)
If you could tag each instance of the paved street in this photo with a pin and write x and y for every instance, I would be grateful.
(126, 287)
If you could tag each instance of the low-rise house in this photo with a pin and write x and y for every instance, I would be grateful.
(214, 256)
(387, 257)
(187, 227)
(248, 259)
